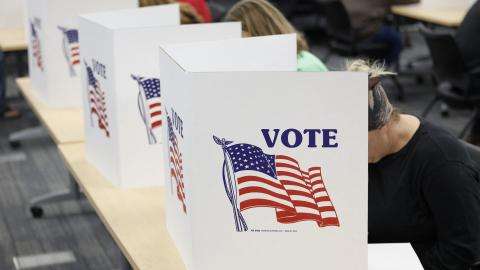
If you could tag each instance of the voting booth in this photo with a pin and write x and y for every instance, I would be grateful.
(122, 95)
(11, 14)
(54, 48)
(266, 167)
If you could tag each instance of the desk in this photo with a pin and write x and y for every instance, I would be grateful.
(440, 15)
(134, 217)
(63, 125)
(12, 40)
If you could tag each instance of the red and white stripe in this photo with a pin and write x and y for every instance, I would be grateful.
(37, 52)
(257, 189)
(155, 112)
(295, 182)
(74, 54)
(322, 198)
(176, 170)
(98, 107)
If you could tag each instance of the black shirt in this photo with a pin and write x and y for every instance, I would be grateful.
(468, 37)
(428, 194)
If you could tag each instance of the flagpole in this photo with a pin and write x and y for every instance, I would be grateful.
(142, 110)
(65, 50)
(230, 185)
(88, 96)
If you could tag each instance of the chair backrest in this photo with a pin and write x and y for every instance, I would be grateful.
(339, 25)
(448, 63)
(476, 266)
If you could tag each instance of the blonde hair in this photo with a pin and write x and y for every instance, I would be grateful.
(260, 18)
(188, 14)
(381, 110)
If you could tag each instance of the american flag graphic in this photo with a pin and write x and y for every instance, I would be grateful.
(96, 98)
(149, 104)
(71, 48)
(36, 46)
(176, 164)
(253, 179)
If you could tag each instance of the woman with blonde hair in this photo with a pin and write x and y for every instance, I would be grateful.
(260, 18)
(423, 186)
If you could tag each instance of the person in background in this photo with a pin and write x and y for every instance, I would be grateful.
(368, 21)
(188, 14)
(260, 18)
(201, 8)
(423, 186)
(468, 40)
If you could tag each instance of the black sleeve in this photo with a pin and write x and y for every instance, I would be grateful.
(452, 192)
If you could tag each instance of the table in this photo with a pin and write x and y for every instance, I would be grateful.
(63, 125)
(12, 40)
(449, 16)
(134, 217)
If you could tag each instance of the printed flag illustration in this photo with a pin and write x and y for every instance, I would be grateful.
(96, 99)
(149, 106)
(253, 179)
(176, 164)
(36, 44)
(71, 48)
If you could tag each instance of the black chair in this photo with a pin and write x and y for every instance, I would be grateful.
(476, 266)
(342, 39)
(457, 85)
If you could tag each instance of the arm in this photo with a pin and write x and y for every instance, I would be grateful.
(452, 192)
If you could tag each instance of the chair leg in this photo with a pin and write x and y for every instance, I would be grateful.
(429, 107)
(463, 133)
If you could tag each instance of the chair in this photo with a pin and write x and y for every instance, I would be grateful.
(343, 40)
(476, 266)
(456, 83)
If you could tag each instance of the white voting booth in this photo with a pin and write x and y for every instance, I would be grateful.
(11, 14)
(122, 92)
(54, 49)
(266, 167)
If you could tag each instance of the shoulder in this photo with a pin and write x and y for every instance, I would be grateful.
(438, 150)
(306, 61)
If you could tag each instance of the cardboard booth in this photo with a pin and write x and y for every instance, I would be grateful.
(54, 48)
(266, 167)
(122, 96)
(11, 14)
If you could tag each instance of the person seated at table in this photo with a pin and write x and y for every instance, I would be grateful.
(260, 18)
(368, 18)
(423, 186)
(468, 40)
(188, 14)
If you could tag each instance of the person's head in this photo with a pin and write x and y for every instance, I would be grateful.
(381, 113)
(260, 18)
(188, 14)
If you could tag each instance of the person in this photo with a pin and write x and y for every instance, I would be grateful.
(467, 37)
(468, 41)
(188, 14)
(424, 188)
(201, 8)
(368, 21)
(260, 18)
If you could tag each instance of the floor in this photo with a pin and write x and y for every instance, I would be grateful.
(36, 168)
